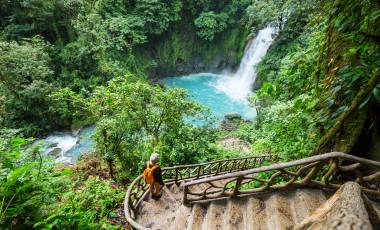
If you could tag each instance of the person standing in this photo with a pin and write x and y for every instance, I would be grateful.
(153, 176)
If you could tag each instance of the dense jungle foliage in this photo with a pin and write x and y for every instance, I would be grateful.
(70, 63)
(319, 80)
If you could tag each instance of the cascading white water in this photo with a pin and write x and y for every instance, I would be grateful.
(67, 146)
(239, 85)
(61, 142)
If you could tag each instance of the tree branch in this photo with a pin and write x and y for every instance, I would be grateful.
(363, 93)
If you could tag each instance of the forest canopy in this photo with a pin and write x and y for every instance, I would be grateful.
(82, 44)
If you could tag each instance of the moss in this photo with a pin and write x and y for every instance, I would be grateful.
(180, 50)
(232, 42)
(174, 49)
(349, 135)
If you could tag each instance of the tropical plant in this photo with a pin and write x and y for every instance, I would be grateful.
(25, 80)
(90, 207)
(137, 118)
(210, 23)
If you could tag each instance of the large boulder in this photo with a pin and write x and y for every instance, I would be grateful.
(56, 152)
(232, 116)
(231, 121)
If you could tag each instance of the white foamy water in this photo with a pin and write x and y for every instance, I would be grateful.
(62, 142)
(239, 85)
(67, 146)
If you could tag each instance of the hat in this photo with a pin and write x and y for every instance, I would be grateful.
(154, 157)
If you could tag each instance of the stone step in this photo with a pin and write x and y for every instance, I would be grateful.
(255, 215)
(199, 187)
(151, 216)
(234, 215)
(157, 214)
(177, 192)
(304, 202)
(169, 196)
(279, 212)
(219, 183)
(196, 218)
(167, 201)
(214, 218)
(181, 218)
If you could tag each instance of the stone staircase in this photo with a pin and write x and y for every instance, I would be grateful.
(196, 197)
(276, 210)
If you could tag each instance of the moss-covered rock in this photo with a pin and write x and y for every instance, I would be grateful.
(182, 52)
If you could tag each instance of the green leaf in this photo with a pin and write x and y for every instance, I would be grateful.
(365, 102)
(19, 173)
(66, 172)
(376, 93)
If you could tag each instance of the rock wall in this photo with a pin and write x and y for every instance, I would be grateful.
(180, 51)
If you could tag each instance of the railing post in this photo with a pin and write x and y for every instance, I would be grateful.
(237, 186)
(184, 198)
(333, 166)
(132, 210)
(233, 165)
(218, 168)
(199, 171)
(245, 164)
(176, 177)
(359, 178)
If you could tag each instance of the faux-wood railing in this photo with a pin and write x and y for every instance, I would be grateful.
(326, 171)
(137, 189)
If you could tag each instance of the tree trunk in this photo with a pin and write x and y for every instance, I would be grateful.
(111, 169)
(156, 139)
(363, 93)
(346, 209)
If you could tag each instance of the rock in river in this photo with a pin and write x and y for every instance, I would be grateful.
(56, 152)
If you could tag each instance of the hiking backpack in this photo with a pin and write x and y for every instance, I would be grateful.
(148, 173)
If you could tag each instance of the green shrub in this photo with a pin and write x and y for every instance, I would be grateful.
(90, 206)
(286, 128)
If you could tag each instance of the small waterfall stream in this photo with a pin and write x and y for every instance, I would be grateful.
(67, 146)
(239, 85)
(59, 144)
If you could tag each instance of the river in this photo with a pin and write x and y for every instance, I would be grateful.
(222, 93)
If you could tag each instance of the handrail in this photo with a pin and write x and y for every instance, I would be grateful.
(217, 161)
(128, 212)
(176, 174)
(320, 171)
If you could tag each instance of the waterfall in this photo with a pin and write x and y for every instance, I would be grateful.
(59, 143)
(67, 146)
(239, 85)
